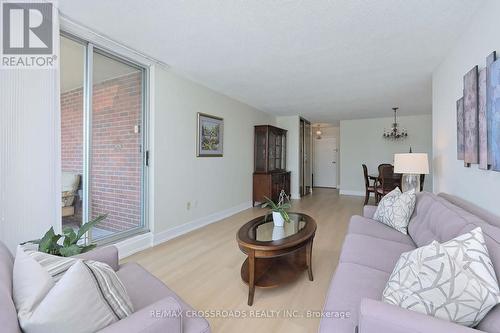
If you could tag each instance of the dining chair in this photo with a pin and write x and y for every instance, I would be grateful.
(368, 187)
(387, 181)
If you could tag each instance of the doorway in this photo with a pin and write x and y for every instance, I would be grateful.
(325, 162)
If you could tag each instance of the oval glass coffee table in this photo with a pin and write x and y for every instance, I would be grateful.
(276, 255)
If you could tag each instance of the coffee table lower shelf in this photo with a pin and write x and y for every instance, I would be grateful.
(272, 272)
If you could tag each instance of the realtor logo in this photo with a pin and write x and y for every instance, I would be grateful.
(27, 35)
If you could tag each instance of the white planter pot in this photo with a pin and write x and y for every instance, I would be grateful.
(278, 233)
(278, 219)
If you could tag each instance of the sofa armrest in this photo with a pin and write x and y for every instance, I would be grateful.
(369, 211)
(107, 255)
(376, 316)
(160, 317)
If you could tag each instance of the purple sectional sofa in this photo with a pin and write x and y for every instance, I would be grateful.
(152, 300)
(370, 252)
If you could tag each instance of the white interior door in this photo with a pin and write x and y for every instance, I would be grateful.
(325, 162)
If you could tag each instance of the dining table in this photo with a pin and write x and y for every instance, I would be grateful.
(395, 176)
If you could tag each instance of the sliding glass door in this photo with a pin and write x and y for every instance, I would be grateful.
(104, 110)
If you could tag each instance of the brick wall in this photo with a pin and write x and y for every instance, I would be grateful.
(116, 156)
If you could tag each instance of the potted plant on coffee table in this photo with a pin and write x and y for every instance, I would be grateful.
(280, 216)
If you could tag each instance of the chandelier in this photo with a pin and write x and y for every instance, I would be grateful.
(394, 133)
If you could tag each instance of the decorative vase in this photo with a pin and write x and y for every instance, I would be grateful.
(278, 220)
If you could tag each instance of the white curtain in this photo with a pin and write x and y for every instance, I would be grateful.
(30, 185)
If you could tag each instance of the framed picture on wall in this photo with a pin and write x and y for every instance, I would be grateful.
(210, 136)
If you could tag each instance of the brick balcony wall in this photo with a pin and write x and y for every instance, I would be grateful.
(116, 160)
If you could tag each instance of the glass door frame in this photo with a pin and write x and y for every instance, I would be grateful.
(89, 49)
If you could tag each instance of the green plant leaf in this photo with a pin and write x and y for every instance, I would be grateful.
(46, 244)
(88, 248)
(87, 226)
(70, 236)
(71, 250)
(34, 241)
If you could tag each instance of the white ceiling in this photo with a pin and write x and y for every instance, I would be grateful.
(326, 60)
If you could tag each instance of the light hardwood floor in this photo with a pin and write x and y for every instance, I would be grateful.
(203, 267)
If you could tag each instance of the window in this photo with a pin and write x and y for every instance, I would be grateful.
(103, 140)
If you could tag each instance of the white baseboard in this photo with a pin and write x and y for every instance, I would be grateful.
(182, 229)
(134, 244)
(351, 192)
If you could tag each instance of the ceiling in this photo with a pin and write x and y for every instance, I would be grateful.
(326, 60)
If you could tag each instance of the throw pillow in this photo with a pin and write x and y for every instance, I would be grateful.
(432, 281)
(395, 209)
(55, 294)
(470, 252)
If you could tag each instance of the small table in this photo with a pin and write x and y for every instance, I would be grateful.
(276, 255)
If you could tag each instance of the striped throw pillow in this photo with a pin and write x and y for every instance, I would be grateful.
(109, 285)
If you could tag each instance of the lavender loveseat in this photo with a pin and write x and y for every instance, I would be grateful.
(370, 252)
(152, 300)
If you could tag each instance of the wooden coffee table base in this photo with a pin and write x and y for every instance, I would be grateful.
(269, 272)
(275, 255)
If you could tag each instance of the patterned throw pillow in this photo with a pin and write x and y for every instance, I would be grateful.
(454, 281)
(44, 289)
(395, 209)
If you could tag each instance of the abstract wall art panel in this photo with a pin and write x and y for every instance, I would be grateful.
(460, 129)
(492, 57)
(471, 129)
(483, 121)
(494, 115)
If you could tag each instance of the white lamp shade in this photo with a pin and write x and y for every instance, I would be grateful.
(411, 163)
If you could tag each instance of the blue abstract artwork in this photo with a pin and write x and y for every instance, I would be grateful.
(490, 59)
(460, 129)
(471, 124)
(483, 121)
(494, 114)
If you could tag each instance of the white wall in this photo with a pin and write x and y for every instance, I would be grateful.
(292, 125)
(361, 142)
(210, 184)
(480, 38)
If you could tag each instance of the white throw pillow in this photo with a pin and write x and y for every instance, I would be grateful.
(442, 281)
(395, 209)
(470, 252)
(83, 299)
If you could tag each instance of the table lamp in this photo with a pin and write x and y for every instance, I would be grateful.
(411, 165)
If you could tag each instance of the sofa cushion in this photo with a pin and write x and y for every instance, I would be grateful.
(395, 209)
(372, 252)
(145, 289)
(8, 314)
(434, 218)
(491, 233)
(451, 281)
(365, 226)
(491, 323)
(351, 283)
(46, 306)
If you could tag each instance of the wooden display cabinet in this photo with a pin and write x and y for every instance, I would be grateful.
(270, 175)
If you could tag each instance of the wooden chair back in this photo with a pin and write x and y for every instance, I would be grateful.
(365, 175)
(386, 175)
